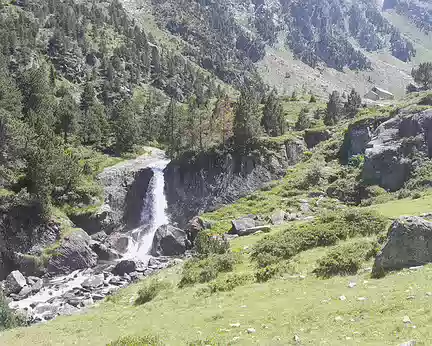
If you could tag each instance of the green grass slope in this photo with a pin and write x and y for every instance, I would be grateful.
(295, 306)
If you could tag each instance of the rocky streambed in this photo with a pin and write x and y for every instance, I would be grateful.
(42, 299)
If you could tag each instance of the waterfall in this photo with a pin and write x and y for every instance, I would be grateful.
(153, 214)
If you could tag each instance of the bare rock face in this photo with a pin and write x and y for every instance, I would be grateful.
(409, 244)
(74, 253)
(169, 241)
(15, 282)
(202, 183)
(395, 146)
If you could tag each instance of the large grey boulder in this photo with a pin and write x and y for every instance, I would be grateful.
(118, 241)
(409, 244)
(74, 253)
(169, 241)
(14, 283)
(128, 266)
(242, 224)
(395, 146)
(277, 217)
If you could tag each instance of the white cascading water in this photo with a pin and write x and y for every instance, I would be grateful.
(153, 214)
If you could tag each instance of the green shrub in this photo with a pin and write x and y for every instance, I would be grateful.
(146, 340)
(267, 273)
(421, 177)
(312, 177)
(229, 282)
(356, 161)
(207, 269)
(8, 317)
(150, 290)
(326, 230)
(207, 244)
(346, 259)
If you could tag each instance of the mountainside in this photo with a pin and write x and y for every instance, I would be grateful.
(312, 45)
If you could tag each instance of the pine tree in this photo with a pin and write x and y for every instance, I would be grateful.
(273, 116)
(88, 97)
(423, 74)
(246, 119)
(126, 128)
(67, 116)
(353, 104)
(334, 109)
(304, 120)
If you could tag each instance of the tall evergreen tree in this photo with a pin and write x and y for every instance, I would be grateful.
(334, 109)
(67, 116)
(246, 119)
(126, 127)
(353, 104)
(273, 116)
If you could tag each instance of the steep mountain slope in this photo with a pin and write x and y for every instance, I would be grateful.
(317, 45)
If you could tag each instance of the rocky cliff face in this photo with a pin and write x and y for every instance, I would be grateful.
(22, 232)
(195, 185)
(396, 146)
(125, 186)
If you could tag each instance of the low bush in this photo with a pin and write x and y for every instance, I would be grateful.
(150, 290)
(207, 269)
(145, 340)
(267, 273)
(229, 282)
(8, 317)
(346, 259)
(207, 244)
(326, 230)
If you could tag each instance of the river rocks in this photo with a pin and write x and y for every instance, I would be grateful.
(94, 282)
(118, 241)
(169, 241)
(409, 244)
(128, 266)
(104, 253)
(73, 253)
(396, 145)
(14, 283)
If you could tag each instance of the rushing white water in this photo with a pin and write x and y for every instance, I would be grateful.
(153, 214)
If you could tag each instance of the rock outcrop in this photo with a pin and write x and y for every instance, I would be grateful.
(125, 186)
(198, 184)
(14, 283)
(22, 232)
(409, 244)
(73, 253)
(395, 145)
(169, 241)
(315, 137)
(358, 135)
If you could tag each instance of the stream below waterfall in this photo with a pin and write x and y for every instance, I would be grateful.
(67, 294)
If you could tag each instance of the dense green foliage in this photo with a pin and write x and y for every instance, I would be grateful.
(326, 230)
(142, 340)
(205, 270)
(346, 259)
